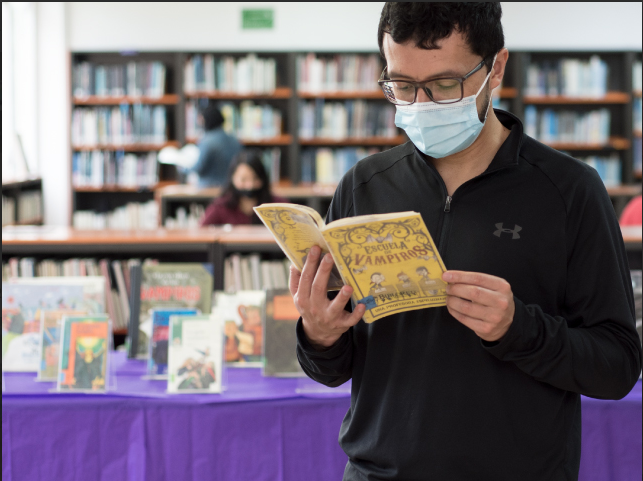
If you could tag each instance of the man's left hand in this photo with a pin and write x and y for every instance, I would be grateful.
(482, 302)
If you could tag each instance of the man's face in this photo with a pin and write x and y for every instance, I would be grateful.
(453, 59)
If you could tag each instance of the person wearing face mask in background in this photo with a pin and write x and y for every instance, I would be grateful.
(247, 186)
(539, 297)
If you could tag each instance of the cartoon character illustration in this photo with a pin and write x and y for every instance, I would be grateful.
(250, 345)
(406, 286)
(88, 369)
(197, 374)
(230, 330)
(429, 285)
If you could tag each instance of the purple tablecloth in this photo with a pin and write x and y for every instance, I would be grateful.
(259, 429)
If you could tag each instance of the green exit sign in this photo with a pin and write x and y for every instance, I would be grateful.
(256, 18)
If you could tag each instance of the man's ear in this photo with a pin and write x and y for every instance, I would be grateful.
(498, 71)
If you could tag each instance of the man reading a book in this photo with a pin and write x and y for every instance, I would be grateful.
(539, 298)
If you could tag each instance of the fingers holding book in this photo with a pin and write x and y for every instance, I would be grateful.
(324, 321)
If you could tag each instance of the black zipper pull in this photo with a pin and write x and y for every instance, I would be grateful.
(447, 206)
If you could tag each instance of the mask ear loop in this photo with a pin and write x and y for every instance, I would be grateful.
(486, 112)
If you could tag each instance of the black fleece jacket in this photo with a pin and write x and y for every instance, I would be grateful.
(432, 401)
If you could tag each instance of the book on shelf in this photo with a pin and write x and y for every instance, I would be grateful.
(569, 77)
(100, 168)
(118, 126)
(22, 307)
(195, 354)
(25, 207)
(636, 114)
(247, 121)
(328, 166)
(185, 218)
(252, 273)
(347, 72)
(390, 260)
(548, 125)
(133, 215)
(280, 337)
(245, 75)
(8, 211)
(84, 354)
(346, 119)
(132, 79)
(240, 314)
(637, 70)
(170, 285)
(158, 346)
(49, 346)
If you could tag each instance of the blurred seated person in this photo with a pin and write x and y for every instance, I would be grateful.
(247, 186)
(631, 215)
(216, 150)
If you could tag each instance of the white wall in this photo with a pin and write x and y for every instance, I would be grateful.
(334, 26)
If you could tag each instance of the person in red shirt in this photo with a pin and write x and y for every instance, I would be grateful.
(632, 213)
(247, 186)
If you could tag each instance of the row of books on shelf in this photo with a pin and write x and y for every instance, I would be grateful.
(549, 125)
(250, 272)
(637, 72)
(568, 76)
(133, 215)
(99, 168)
(637, 116)
(244, 75)
(185, 217)
(637, 154)
(328, 166)
(133, 79)
(248, 121)
(338, 73)
(29, 208)
(348, 119)
(609, 168)
(124, 124)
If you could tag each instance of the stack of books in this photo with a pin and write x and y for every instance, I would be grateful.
(349, 119)
(133, 215)
(125, 124)
(134, 79)
(100, 168)
(568, 77)
(245, 75)
(564, 126)
(338, 73)
(328, 166)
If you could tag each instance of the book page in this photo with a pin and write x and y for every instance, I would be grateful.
(296, 229)
(392, 264)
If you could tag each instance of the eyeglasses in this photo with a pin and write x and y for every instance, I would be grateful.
(448, 90)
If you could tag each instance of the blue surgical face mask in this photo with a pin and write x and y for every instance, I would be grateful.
(440, 130)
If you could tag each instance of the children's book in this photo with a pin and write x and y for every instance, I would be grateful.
(168, 286)
(280, 337)
(390, 260)
(195, 354)
(93, 288)
(50, 328)
(157, 359)
(241, 315)
(84, 353)
(21, 312)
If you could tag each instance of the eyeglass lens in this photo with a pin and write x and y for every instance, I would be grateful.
(446, 90)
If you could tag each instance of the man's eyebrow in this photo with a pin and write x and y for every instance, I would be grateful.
(446, 73)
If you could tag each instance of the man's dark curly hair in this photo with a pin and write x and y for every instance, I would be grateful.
(425, 23)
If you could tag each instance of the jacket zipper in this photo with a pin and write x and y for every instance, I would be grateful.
(446, 221)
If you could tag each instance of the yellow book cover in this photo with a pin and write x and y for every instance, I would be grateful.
(390, 260)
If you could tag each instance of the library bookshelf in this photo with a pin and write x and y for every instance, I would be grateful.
(290, 91)
(22, 202)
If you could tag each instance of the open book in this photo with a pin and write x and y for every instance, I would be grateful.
(390, 260)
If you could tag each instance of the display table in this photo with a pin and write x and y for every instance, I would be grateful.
(259, 429)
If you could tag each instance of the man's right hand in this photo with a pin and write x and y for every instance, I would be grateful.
(324, 321)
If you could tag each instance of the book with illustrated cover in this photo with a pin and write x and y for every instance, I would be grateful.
(21, 312)
(170, 285)
(157, 358)
(84, 353)
(195, 354)
(280, 337)
(93, 288)
(390, 260)
(50, 328)
(241, 316)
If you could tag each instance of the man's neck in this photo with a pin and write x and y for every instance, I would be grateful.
(460, 167)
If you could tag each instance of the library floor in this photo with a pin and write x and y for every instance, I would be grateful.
(258, 429)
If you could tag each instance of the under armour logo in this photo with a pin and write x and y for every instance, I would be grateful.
(513, 231)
